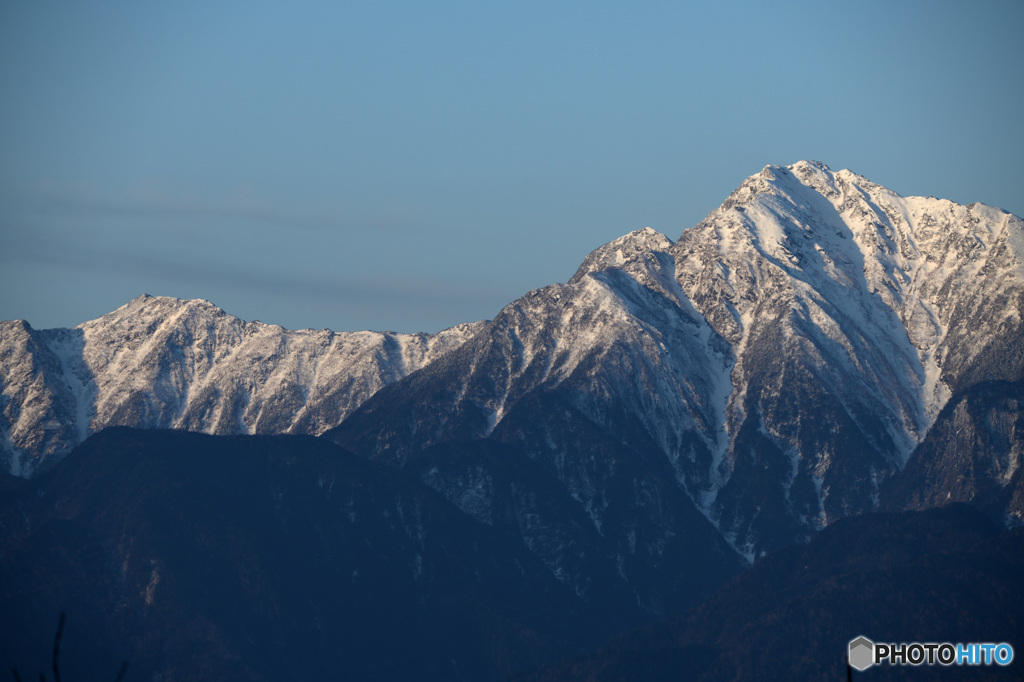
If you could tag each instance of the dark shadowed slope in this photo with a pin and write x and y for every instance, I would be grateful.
(943, 575)
(201, 557)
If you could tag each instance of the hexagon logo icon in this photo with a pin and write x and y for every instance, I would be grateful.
(862, 653)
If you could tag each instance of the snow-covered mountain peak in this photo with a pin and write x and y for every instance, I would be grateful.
(850, 220)
(884, 305)
(806, 233)
(799, 183)
(623, 252)
(155, 306)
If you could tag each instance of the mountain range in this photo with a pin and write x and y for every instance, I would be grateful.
(817, 348)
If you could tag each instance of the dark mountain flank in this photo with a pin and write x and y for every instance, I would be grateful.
(943, 575)
(284, 557)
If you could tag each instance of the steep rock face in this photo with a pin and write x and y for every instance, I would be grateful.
(160, 362)
(971, 454)
(853, 314)
(38, 410)
(619, 336)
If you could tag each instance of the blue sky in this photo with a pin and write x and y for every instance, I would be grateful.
(413, 165)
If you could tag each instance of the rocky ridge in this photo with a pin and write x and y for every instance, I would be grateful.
(773, 369)
(160, 362)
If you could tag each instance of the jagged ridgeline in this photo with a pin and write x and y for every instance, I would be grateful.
(806, 353)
